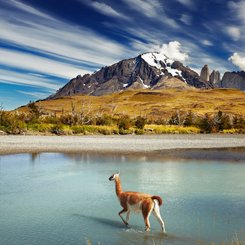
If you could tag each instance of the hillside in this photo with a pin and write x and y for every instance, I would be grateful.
(152, 104)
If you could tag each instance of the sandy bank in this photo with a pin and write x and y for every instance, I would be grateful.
(119, 144)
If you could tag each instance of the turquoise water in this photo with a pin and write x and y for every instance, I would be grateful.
(54, 198)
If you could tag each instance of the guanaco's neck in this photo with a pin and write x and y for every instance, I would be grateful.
(118, 186)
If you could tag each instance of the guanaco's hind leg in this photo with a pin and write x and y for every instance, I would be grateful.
(127, 217)
(146, 211)
(120, 214)
(157, 214)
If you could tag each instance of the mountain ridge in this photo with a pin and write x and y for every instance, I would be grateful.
(144, 71)
(148, 71)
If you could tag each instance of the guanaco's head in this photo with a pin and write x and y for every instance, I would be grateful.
(114, 176)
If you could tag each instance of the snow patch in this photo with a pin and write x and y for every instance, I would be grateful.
(155, 59)
(125, 85)
(144, 85)
(159, 60)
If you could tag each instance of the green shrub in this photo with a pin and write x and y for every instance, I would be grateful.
(205, 124)
(189, 119)
(78, 129)
(139, 131)
(124, 123)
(57, 129)
(140, 122)
(105, 119)
(126, 131)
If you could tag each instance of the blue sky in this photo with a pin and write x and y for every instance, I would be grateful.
(45, 43)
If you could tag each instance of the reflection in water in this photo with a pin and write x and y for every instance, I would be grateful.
(34, 157)
(134, 233)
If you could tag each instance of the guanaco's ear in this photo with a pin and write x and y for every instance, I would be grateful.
(119, 172)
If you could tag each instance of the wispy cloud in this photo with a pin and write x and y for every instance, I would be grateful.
(35, 95)
(24, 79)
(186, 19)
(47, 45)
(238, 7)
(188, 3)
(22, 60)
(152, 9)
(233, 32)
(149, 8)
(207, 42)
(28, 9)
(107, 10)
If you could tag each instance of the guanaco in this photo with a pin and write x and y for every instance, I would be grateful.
(137, 202)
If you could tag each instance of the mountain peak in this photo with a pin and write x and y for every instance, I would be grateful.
(147, 71)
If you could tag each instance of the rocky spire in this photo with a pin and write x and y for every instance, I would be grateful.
(205, 73)
(214, 78)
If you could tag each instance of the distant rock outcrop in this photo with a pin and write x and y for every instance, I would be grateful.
(191, 76)
(149, 70)
(214, 78)
(205, 73)
(234, 80)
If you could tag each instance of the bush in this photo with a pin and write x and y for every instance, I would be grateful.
(69, 119)
(189, 119)
(139, 131)
(57, 129)
(238, 122)
(124, 123)
(43, 128)
(11, 123)
(221, 121)
(105, 119)
(140, 122)
(77, 129)
(205, 124)
(125, 131)
(171, 129)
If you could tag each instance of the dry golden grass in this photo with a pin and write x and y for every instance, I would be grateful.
(151, 103)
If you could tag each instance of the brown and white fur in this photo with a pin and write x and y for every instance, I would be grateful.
(138, 202)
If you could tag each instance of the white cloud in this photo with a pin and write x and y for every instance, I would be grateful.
(36, 95)
(29, 9)
(187, 3)
(233, 32)
(58, 38)
(152, 9)
(107, 10)
(12, 77)
(238, 60)
(35, 63)
(149, 8)
(185, 18)
(238, 8)
(207, 42)
(173, 51)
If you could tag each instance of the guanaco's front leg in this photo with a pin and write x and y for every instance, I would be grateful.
(120, 214)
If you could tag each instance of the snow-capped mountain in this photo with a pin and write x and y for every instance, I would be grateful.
(149, 71)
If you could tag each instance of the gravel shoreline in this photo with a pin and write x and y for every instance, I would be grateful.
(117, 144)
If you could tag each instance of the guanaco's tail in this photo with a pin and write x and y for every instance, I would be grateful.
(159, 199)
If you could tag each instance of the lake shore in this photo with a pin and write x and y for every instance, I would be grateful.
(213, 146)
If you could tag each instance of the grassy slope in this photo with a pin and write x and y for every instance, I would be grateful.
(152, 103)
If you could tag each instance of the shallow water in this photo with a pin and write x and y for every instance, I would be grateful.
(53, 198)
